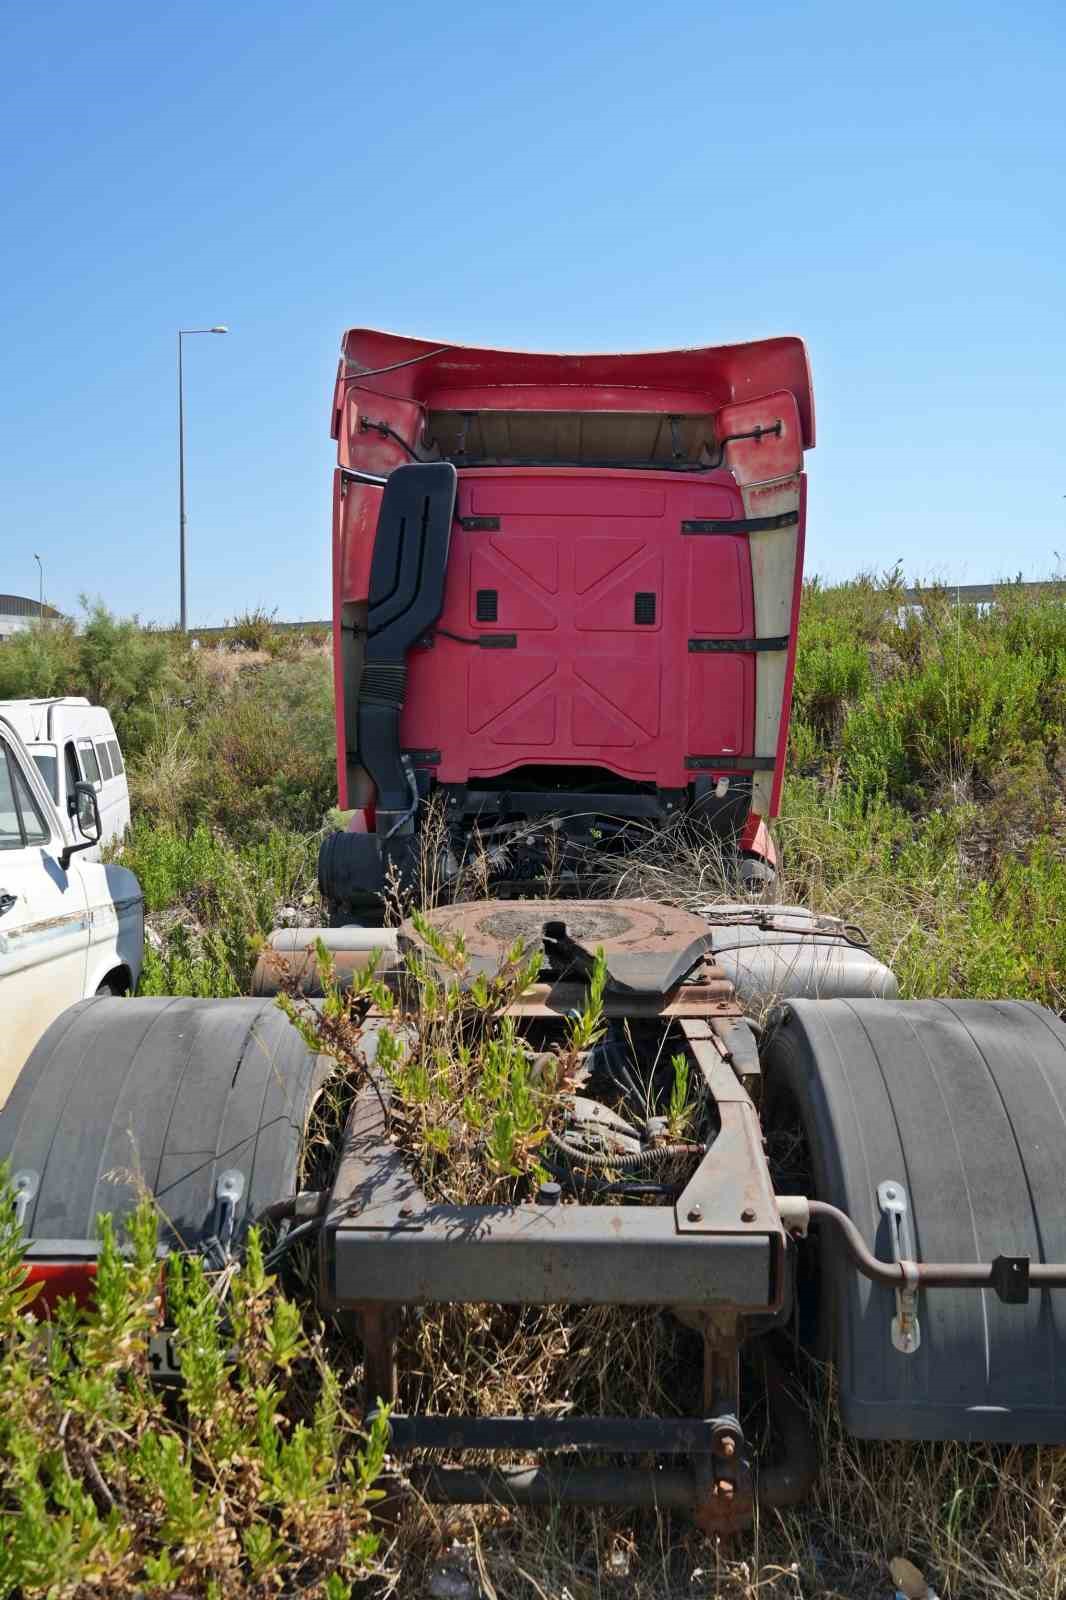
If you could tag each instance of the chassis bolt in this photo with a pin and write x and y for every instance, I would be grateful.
(695, 1213)
(748, 1214)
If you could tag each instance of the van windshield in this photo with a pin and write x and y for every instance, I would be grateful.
(47, 763)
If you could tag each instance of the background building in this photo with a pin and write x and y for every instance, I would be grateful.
(17, 613)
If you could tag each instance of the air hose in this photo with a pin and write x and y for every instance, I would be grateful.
(630, 1161)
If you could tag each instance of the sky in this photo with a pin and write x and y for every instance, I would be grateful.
(886, 181)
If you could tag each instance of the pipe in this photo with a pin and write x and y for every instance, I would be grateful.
(932, 1274)
(282, 964)
(789, 1481)
(670, 1490)
(290, 940)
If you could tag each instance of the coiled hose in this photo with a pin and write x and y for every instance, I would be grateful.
(654, 1155)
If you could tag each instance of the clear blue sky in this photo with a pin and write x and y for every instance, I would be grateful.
(887, 181)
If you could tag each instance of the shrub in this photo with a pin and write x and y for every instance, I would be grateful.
(252, 630)
(228, 897)
(254, 1474)
(114, 662)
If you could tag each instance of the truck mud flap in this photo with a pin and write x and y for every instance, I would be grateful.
(939, 1127)
(164, 1096)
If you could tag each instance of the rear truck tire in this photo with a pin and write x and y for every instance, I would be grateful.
(963, 1104)
(178, 1091)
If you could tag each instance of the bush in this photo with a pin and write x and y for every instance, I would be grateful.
(115, 663)
(252, 630)
(267, 752)
(252, 1479)
(225, 898)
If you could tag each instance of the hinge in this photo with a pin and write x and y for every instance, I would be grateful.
(744, 646)
(730, 763)
(786, 519)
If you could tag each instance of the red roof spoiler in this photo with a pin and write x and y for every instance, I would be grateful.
(440, 376)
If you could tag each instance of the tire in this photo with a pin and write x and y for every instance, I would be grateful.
(176, 1091)
(964, 1104)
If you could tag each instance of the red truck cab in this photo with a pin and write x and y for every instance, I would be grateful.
(565, 587)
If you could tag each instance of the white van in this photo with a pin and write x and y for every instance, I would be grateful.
(74, 742)
(69, 927)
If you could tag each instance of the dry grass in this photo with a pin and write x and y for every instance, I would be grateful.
(981, 1523)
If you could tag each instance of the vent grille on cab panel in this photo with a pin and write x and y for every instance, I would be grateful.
(644, 609)
(486, 605)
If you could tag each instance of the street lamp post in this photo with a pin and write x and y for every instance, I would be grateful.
(40, 592)
(181, 466)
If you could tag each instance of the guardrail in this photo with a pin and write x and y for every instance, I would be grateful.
(984, 594)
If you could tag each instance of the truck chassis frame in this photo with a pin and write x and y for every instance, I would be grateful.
(717, 1257)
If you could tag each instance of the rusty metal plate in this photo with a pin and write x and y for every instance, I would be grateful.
(711, 996)
(620, 927)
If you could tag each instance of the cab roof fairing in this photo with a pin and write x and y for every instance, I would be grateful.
(428, 372)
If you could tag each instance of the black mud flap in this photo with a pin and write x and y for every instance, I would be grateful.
(959, 1106)
(166, 1095)
(406, 596)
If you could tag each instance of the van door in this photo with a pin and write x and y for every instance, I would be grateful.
(44, 920)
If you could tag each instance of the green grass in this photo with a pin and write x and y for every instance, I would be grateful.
(222, 898)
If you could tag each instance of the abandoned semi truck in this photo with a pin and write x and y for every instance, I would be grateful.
(566, 592)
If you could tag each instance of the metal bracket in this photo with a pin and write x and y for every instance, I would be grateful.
(1010, 1279)
(784, 519)
(906, 1331)
(734, 646)
(730, 763)
(228, 1191)
(24, 1186)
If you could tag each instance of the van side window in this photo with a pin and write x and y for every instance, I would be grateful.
(45, 761)
(21, 822)
(70, 757)
(116, 758)
(89, 764)
(104, 760)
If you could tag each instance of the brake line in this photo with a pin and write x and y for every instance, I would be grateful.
(1010, 1277)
